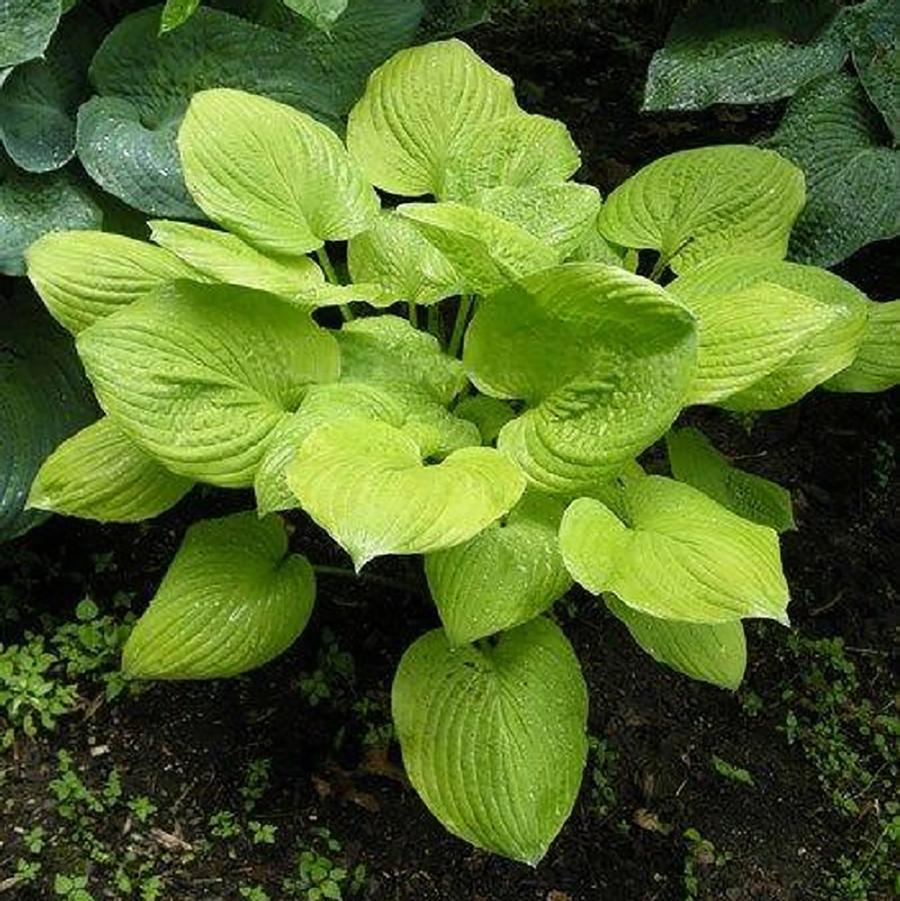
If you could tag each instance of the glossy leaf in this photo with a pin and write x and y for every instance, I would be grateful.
(876, 366)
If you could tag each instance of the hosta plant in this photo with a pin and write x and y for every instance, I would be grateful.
(433, 341)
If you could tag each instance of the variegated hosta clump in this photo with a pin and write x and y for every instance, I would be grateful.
(503, 450)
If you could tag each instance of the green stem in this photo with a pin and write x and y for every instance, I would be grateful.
(659, 267)
(434, 322)
(413, 314)
(331, 275)
(346, 573)
(459, 327)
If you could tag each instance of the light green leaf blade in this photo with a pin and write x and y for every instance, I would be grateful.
(101, 474)
(271, 174)
(744, 51)
(711, 652)
(696, 204)
(199, 375)
(226, 258)
(603, 360)
(393, 253)
(83, 276)
(366, 484)
(26, 27)
(486, 251)
(488, 413)
(876, 366)
(518, 151)
(175, 13)
(322, 13)
(416, 107)
(493, 738)
(232, 600)
(44, 398)
(832, 132)
(682, 556)
(504, 576)
(694, 460)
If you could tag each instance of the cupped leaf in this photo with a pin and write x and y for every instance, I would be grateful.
(39, 99)
(744, 51)
(694, 460)
(44, 398)
(199, 375)
(711, 652)
(876, 366)
(270, 174)
(696, 204)
(366, 484)
(32, 205)
(175, 13)
(681, 556)
(393, 253)
(733, 279)
(602, 358)
(101, 474)
(493, 737)
(504, 576)
(415, 109)
(26, 27)
(232, 600)
(224, 257)
(487, 251)
(832, 132)
(83, 276)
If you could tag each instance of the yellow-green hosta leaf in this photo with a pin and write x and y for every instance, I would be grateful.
(519, 151)
(823, 352)
(83, 276)
(366, 484)
(695, 461)
(272, 175)
(393, 253)
(504, 576)
(697, 204)
(876, 366)
(559, 215)
(232, 600)
(488, 252)
(488, 413)
(199, 375)
(224, 257)
(99, 473)
(681, 556)
(711, 652)
(416, 107)
(493, 737)
(603, 360)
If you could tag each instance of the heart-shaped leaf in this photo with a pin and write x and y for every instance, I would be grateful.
(514, 715)
(232, 600)
(876, 366)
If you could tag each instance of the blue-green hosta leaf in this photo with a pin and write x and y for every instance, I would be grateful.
(694, 460)
(416, 107)
(489, 414)
(602, 358)
(681, 556)
(44, 398)
(232, 600)
(832, 132)
(102, 474)
(32, 205)
(504, 576)
(83, 276)
(39, 99)
(518, 151)
(486, 251)
(366, 484)
(493, 737)
(26, 27)
(226, 258)
(176, 13)
(876, 366)
(272, 175)
(387, 350)
(322, 13)
(711, 652)
(744, 51)
(826, 350)
(199, 375)
(697, 204)
(393, 253)
(559, 215)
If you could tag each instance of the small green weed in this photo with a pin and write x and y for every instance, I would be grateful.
(729, 771)
(601, 771)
